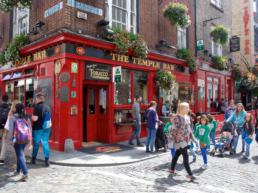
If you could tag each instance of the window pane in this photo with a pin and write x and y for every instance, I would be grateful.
(123, 89)
(133, 5)
(91, 101)
(102, 101)
(19, 90)
(29, 92)
(140, 85)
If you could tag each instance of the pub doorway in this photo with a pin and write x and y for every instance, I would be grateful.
(95, 113)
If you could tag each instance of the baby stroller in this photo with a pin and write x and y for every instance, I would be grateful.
(225, 139)
(161, 140)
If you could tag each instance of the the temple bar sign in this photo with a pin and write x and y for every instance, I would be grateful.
(96, 71)
(235, 44)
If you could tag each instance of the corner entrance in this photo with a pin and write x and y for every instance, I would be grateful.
(95, 113)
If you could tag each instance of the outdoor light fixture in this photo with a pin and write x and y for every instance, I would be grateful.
(39, 24)
(164, 44)
(103, 22)
(106, 32)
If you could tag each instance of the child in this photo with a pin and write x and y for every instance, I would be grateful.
(166, 130)
(202, 133)
(213, 127)
(193, 122)
(248, 134)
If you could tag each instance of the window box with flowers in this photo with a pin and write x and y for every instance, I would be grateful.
(219, 34)
(219, 62)
(186, 54)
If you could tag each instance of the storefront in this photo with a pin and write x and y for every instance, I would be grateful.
(88, 104)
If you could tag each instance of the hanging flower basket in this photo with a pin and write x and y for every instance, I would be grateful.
(126, 40)
(8, 5)
(219, 34)
(219, 62)
(165, 79)
(176, 13)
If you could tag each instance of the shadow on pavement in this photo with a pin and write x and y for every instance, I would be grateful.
(244, 161)
(255, 158)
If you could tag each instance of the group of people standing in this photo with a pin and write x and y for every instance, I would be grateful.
(188, 131)
(23, 131)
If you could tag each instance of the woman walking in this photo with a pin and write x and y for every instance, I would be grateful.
(238, 119)
(180, 135)
(248, 130)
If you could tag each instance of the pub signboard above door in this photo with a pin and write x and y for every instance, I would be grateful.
(96, 71)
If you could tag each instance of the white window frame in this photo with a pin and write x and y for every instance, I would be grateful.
(181, 37)
(130, 13)
(216, 49)
(19, 17)
(217, 3)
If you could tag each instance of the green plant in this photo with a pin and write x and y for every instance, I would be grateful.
(127, 40)
(8, 5)
(187, 55)
(12, 52)
(176, 13)
(219, 34)
(2, 59)
(219, 62)
(165, 79)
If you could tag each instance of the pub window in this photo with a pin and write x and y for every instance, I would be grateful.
(216, 49)
(123, 89)
(181, 38)
(184, 92)
(9, 88)
(140, 85)
(29, 92)
(20, 21)
(121, 13)
(19, 90)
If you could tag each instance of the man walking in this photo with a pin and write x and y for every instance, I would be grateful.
(136, 112)
(39, 133)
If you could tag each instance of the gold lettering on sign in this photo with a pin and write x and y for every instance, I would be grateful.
(142, 62)
(23, 61)
(39, 55)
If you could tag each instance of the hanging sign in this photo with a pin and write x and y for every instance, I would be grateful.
(235, 44)
(199, 45)
(117, 74)
(96, 71)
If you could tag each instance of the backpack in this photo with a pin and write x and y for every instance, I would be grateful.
(4, 110)
(22, 131)
(47, 122)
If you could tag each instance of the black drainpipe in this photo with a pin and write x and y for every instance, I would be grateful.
(195, 26)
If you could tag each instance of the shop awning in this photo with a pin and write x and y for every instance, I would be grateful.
(16, 75)
(7, 77)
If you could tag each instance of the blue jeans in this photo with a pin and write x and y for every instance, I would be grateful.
(43, 137)
(21, 162)
(204, 155)
(136, 132)
(192, 150)
(212, 136)
(235, 142)
(151, 139)
(173, 152)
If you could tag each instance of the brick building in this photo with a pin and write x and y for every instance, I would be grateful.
(74, 65)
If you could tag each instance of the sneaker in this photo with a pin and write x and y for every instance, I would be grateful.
(172, 171)
(47, 162)
(1, 162)
(24, 178)
(192, 178)
(245, 157)
(15, 173)
(140, 145)
(204, 166)
(131, 143)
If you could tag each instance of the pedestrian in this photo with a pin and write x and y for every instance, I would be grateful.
(238, 119)
(167, 130)
(193, 121)
(166, 109)
(20, 126)
(202, 134)
(248, 133)
(230, 110)
(181, 135)
(136, 112)
(212, 123)
(4, 110)
(152, 126)
(40, 133)
(7, 134)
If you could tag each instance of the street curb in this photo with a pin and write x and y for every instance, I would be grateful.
(102, 165)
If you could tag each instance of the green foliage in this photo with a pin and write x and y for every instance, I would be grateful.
(165, 79)
(12, 52)
(2, 59)
(219, 62)
(176, 13)
(186, 54)
(8, 5)
(127, 40)
(219, 34)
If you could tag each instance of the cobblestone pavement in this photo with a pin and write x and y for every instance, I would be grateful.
(228, 174)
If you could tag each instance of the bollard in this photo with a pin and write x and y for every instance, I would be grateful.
(69, 146)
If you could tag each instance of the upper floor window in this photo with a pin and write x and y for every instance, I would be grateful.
(181, 37)
(217, 3)
(121, 13)
(20, 21)
(216, 49)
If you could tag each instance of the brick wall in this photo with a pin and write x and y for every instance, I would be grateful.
(4, 30)
(206, 11)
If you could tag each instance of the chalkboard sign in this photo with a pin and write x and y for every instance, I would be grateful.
(235, 44)
(96, 71)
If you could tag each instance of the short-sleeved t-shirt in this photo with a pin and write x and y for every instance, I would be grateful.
(39, 111)
(9, 126)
